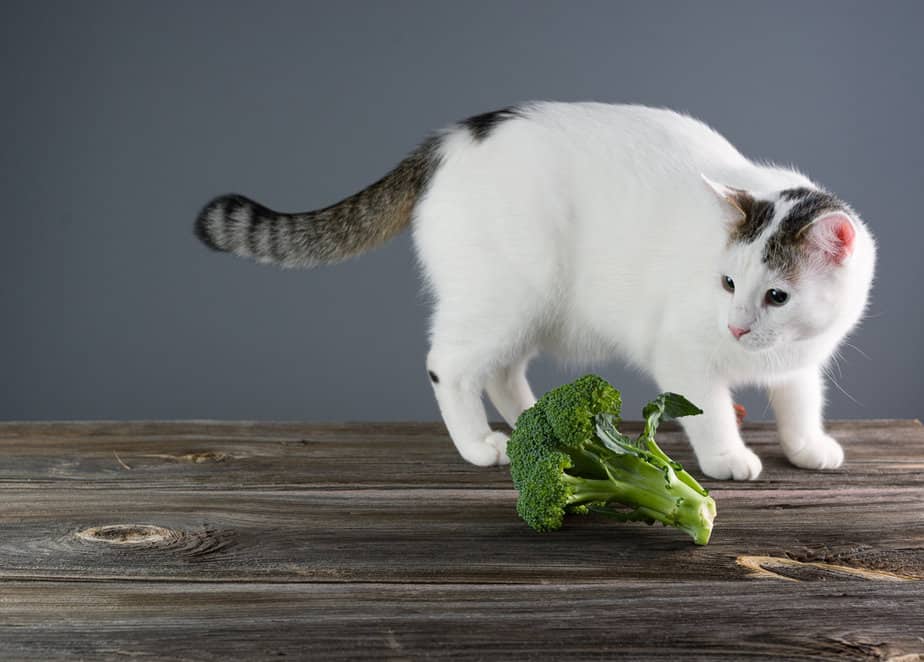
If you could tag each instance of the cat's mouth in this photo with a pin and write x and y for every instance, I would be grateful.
(756, 342)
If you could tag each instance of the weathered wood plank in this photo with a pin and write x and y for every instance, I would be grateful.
(209, 455)
(210, 541)
(450, 535)
(640, 621)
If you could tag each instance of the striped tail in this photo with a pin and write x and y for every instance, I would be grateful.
(359, 223)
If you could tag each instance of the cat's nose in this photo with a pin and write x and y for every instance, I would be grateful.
(737, 331)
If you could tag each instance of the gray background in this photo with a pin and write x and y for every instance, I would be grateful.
(120, 119)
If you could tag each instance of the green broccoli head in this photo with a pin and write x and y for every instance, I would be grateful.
(570, 409)
(566, 456)
(537, 467)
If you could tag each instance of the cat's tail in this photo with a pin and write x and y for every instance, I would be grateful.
(361, 222)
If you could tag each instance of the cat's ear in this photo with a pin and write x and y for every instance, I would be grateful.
(735, 201)
(831, 236)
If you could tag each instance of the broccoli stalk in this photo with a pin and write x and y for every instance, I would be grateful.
(568, 456)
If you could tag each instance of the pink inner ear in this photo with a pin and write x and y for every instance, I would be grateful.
(833, 235)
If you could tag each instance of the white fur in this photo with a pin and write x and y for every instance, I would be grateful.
(587, 231)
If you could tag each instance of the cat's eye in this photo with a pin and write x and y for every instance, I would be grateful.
(776, 297)
(728, 283)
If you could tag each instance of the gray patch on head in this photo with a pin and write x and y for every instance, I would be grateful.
(785, 247)
(757, 216)
(796, 193)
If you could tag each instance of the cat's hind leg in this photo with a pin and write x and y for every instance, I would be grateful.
(459, 374)
(509, 390)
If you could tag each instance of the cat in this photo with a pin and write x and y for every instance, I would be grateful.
(592, 231)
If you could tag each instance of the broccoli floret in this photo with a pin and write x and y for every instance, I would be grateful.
(567, 456)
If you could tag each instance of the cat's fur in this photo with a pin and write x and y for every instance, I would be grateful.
(591, 231)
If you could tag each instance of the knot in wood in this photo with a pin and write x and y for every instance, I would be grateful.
(200, 458)
(793, 570)
(128, 534)
(191, 544)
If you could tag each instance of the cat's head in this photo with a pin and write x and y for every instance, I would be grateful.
(798, 265)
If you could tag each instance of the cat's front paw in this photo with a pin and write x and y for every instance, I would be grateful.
(490, 451)
(739, 463)
(819, 451)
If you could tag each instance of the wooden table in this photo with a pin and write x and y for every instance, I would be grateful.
(217, 541)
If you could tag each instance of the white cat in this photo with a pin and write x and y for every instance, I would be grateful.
(591, 231)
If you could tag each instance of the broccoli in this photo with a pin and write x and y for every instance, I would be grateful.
(567, 456)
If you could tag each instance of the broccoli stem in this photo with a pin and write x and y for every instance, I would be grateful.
(606, 432)
(660, 493)
(655, 450)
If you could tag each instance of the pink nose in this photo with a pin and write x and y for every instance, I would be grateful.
(737, 331)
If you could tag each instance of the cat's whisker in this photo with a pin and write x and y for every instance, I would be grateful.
(835, 361)
(858, 350)
(768, 405)
(841, 388)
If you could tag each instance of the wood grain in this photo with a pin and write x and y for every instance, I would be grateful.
(269, 456)
(428, 535)
(631, 620)
(203, 540)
